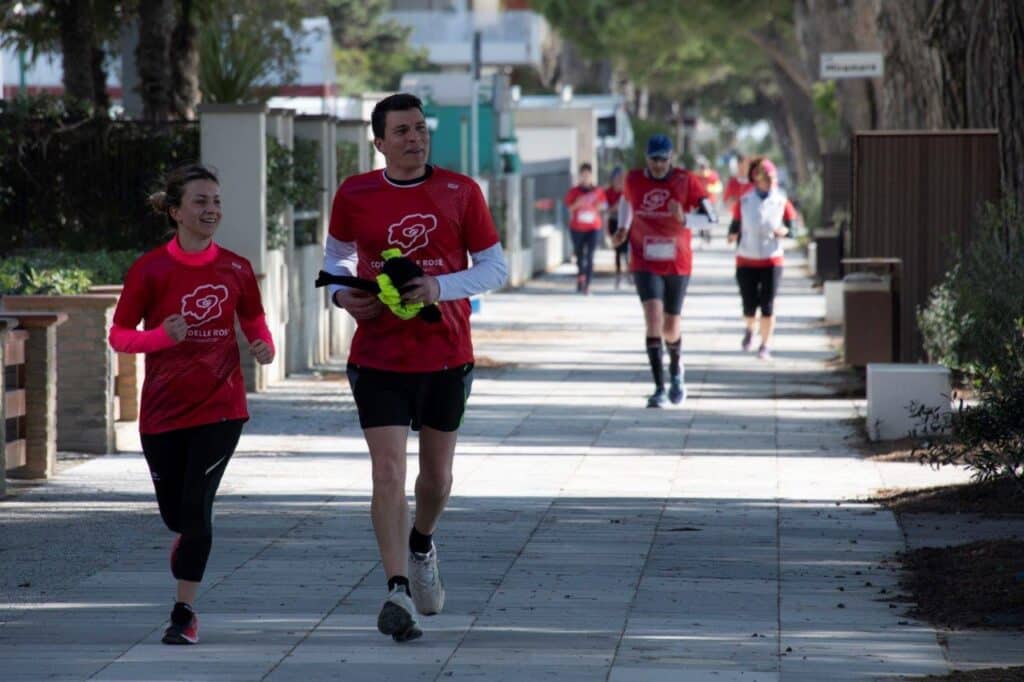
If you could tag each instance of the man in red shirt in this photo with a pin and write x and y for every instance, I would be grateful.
(652, 215)
(411, 372)
(586, 202)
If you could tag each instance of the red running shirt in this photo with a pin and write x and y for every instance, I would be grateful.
(587, 216)
(198, 381)
(658, 242)
(436, 223)
(735, 189)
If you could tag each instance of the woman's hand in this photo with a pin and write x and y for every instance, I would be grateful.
(781, 231)
(176, 328)
(619, 238)
(260, 350)
(362, 305)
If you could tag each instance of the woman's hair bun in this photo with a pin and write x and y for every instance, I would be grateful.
(158, 200)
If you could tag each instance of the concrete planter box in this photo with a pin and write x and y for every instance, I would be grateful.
(891, 390)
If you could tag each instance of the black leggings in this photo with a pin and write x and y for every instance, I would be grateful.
(584, 244)
(186, 466)
(758, 287)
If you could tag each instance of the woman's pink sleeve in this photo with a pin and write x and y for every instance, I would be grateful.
(125, 340)
(256, 328)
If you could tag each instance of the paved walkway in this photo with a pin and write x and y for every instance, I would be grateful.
(588, 538)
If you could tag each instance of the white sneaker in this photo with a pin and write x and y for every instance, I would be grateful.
(425, 582)
(398, 617)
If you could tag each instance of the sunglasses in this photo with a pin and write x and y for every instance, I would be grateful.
(658, 158)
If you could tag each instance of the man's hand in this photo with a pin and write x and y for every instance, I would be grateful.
(176, 328)
(619, 238)
(733, 238)
(425, 290)
(263, 353)
(362, 305)
(781, 231)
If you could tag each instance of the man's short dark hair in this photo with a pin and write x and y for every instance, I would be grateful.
(403, 101)
(584, 167)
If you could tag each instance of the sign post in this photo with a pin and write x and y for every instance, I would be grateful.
(836, 65)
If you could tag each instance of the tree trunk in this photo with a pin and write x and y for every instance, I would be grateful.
(994, 88)
(835, 26)
(912, 90)
(99, 82)
(185, 63)
(802, 130)
(77, 38)
(156, 21)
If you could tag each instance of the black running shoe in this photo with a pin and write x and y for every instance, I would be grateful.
(184, 627)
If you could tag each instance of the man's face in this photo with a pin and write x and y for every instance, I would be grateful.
(586, 177)
(406, 141)
(658, 165)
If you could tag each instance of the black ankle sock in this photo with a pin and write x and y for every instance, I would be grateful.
(182, 613)
(398, 580)
(654, 354)
(418, 542)
(675, 350)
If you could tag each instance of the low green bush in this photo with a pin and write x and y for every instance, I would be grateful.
(44, 271)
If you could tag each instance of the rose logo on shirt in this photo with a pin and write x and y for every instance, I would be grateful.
(654, 200)
(203, 304)
(412, 232)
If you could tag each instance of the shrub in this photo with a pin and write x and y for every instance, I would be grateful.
(44, 271)
(971, 318)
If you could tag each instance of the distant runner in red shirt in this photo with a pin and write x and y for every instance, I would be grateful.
(586, 203)
(614, 193)
(738, 185)
(188, 294)
(708, 177)
(652, 215)
(760, 220)
(411, 372)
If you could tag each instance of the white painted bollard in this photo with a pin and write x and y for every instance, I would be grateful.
(834, 301)
(891, 390)
(812, 258)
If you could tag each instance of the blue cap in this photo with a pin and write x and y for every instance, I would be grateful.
(659, 145)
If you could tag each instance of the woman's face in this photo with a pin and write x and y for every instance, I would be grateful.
(617, 181)
(199, 213)
(762, 181)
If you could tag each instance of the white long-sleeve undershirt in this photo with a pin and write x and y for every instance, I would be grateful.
(488, 271)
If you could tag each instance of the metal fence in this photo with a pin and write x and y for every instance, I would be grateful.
(84, 186)
(915, 195)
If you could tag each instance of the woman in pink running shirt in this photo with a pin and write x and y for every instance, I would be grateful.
(187, 294)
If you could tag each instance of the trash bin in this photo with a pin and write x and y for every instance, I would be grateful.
(870, 311)
(829, 251)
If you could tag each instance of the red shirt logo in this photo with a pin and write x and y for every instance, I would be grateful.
(204, 304)
(411, 232)
(653, 200)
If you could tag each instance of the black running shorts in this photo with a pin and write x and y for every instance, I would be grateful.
(436, 400)
(669, 289)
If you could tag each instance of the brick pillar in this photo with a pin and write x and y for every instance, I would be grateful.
(85, 373)
(129, 370)
(40, 392)
(3, 417)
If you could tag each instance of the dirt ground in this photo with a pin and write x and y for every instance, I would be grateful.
(993, 498)
(988, 675)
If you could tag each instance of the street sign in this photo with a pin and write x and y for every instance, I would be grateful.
(851, 65)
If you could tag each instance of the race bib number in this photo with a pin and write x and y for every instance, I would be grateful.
(659, 249)
(589, 217)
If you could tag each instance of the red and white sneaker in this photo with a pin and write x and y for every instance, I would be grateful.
(184, 627)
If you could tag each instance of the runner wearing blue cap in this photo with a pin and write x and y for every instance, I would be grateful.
(652, 216)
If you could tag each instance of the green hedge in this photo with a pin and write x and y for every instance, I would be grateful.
(44, 271)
